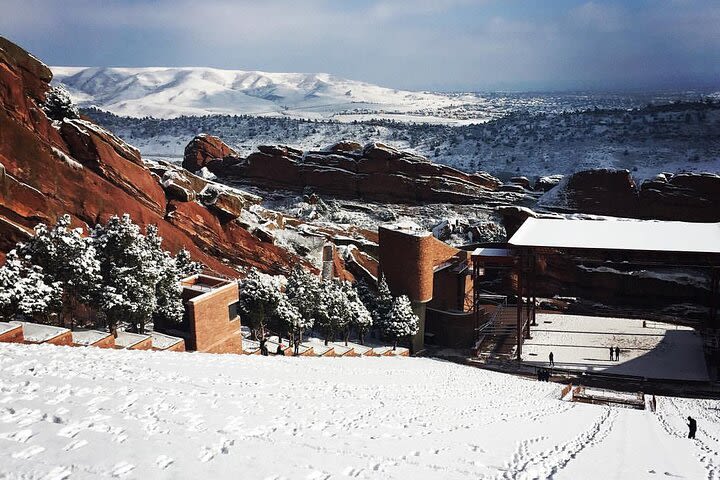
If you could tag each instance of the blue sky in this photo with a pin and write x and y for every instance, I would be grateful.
(415, 44)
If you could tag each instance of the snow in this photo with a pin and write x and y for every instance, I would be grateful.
(163, 341)
(172, 92)
(84, 413)
(619, 234)
(127, 339)
(87, 337)
(658, 350)
(6, 327)
(36, 333)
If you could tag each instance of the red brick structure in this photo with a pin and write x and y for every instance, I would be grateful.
(435, 276)
(10, 333)
(211, 322)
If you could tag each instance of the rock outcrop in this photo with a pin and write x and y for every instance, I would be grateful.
(690, 197)
(374, 172)
(73, 166)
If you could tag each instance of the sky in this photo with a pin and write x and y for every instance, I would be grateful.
(450, 45)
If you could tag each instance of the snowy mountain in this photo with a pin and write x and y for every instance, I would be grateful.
(89, 413)
(172, 92)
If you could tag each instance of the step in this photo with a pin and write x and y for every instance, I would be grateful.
(342, 350)
(39, 333)
(133, 341)
(92, 338)
(10, 333)
(161, 341)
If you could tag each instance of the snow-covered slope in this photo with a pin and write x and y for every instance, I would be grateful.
(171, 92)
(90, 413)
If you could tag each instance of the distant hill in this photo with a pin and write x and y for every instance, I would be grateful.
(172, 92)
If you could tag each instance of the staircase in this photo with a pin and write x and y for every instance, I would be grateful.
(497, 338)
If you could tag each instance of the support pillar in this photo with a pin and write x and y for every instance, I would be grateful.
(519, 329)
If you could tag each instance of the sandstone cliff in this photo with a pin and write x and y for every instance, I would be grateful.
(374, 172)
(48, 168)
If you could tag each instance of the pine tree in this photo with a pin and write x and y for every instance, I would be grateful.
(383, 304)
(293, 320)
(402, 322)
(23, 290)
(130, 274)
(259, 297)
(169, 307)
(360, 317)
(67, 258)
(185, 264)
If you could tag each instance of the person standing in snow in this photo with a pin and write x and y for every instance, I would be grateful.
(263, 347)
(552, 359)
(692, 427)
(280, 350)
(612, 351)
(617, 353)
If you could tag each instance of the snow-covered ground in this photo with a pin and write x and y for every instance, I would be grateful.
(90, 413)
(658, 350)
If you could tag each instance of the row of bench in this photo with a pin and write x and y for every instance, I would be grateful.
(319, 349)
(34, 333)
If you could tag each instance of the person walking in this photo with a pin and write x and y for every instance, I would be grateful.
(552, 359)
(617, 353)
(692, 427)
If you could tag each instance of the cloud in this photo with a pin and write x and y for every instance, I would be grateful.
(449, 44)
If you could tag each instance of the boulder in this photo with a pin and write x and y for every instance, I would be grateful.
(346, 146)
(522, 181)
(204, 150)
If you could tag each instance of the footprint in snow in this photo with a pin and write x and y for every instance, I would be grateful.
(58, 473)
(21, 436)
(163, 461)
(206, 455)
(122, 469)
(29, 452)
(74, 445)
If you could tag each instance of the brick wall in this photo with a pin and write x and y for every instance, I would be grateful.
(211, 329)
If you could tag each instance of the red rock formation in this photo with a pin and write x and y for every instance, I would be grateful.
(48, 169)
(204, 150)
(690, 197)
(375, 172)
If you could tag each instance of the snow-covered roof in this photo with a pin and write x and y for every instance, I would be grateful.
(492, 252)
(619, 234)
(36, 333)
(88, 337)
(162, 341)
(6, 327)
(127, 339)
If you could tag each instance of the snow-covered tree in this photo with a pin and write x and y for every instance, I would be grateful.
(68, 258)
(185, 264)
(383, 303)
(401, 322)
(169, 307)
(329, 316)
(259, 297)
(23, 290)
(360, 317)
(293, 320)
(130, 274)
(58, 104)
(303, 291)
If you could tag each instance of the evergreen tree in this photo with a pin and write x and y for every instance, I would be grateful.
(128, 266)
(259, 298)
(185, 264)
(360, 317)
(169, 307)
(402, 322)
(67, 258)
(293, 320)
(383, 304)
(23, 290)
